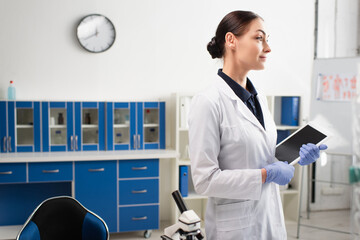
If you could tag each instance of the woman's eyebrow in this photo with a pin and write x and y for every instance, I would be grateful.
(260, 30)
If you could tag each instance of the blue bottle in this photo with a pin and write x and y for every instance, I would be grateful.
(11, 91)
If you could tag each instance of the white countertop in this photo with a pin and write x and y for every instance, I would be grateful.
(86, 156)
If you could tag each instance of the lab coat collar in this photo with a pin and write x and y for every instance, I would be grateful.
(244, 110)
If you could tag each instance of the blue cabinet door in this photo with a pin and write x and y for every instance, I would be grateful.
(118, 124)
(3, 127)
(57, 126)
(95, 188)
(20, 126)
(89, 126)
(152, 127)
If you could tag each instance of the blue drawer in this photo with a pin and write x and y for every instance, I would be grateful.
(139, 168)
(12, 172)
(138, 191)
(50, 171)
(138, 218)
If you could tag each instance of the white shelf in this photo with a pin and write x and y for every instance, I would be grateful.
(183, 129)
(89, 126)
(57, 126)
(184, 161)
(121, 125)
(151, 125)
(24, 126)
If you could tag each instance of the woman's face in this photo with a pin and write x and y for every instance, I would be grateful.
(250, 49)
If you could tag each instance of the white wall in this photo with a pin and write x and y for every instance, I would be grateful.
(160, 49)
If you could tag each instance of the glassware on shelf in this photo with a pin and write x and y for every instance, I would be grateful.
(58, 137)
(118, 138)
(87, 118)
(147, 116)
(60, 119)
(117, 119)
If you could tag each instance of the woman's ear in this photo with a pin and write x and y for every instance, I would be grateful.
(230, 40)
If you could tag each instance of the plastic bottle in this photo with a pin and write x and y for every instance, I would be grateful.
(11, 91)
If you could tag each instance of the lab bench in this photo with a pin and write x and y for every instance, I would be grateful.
(122, 187)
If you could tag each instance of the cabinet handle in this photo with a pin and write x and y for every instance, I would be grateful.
(72, 143)
(134, 141)
(140, 218)
(51, 171)
(139, 168)
(140, 191)
(4, 144)
(97, 170)
(138, 141)
(9, 144)
(6, 173)
(76, 143)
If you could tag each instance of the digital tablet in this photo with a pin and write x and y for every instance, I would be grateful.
(288, 149)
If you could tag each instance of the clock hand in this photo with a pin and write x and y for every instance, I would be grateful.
(92, 35)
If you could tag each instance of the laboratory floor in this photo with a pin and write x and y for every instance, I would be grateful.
(336, 220)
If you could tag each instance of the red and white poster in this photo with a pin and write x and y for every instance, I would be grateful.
(336, 87)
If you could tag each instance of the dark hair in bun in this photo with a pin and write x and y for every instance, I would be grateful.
(235, 22)
(214, 49)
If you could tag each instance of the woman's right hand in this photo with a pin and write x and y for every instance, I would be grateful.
(279, 172)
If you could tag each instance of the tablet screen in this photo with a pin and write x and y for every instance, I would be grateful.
(289, 149)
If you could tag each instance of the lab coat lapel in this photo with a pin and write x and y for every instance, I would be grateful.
(240, 105)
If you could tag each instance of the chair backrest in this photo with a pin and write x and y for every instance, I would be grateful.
(60, 218)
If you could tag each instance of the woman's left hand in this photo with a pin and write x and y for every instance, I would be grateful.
(309, 153)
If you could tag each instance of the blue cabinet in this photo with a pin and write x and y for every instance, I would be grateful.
(95, 188)
(135, 125)
(20, 126)
(73, 126)
(138, 194)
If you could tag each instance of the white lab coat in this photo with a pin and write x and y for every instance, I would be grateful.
(228, 147)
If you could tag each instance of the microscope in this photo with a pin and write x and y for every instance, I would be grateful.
(188, 227)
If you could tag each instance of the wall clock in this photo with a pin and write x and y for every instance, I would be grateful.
(96, 33)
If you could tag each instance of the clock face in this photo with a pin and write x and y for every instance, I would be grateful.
(96, 33)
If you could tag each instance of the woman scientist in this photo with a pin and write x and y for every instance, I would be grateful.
(232, 139)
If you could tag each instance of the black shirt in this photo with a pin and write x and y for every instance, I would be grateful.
(248, 97)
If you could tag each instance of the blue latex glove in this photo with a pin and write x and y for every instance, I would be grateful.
(309, 153)
(279, 172)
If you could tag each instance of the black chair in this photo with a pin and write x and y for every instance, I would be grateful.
(63, 218)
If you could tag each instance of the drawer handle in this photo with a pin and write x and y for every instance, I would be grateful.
(7, 173)
(51, 171)
(4, 144)
(141, 191)
(97, 170)
(9, 144)
(140, 218)
(139, 168)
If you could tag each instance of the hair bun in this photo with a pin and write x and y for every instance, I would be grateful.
(213, 49)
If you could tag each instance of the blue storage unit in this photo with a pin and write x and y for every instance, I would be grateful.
(290, 111)
(138, 194)
(135, 125)
(20, 126)
(73, 126)
(184, 180)
(95, 188)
